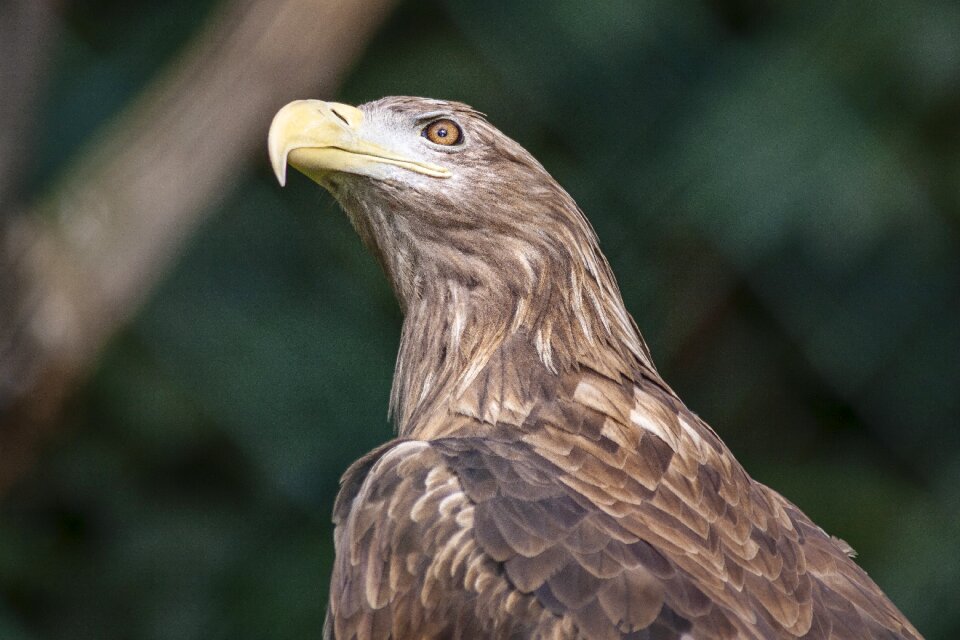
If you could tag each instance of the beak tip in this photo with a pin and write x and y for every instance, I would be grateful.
(278, 161)
(280, 171)
(278, 144)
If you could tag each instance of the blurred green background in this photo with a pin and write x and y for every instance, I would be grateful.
(777, 186)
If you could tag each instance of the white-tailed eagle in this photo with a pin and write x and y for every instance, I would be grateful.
(545, 481)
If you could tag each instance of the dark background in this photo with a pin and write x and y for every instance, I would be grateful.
(777, 186)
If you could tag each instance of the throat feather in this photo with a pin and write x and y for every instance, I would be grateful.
(490, 355)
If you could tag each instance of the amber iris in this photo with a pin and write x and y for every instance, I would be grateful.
(445, 132)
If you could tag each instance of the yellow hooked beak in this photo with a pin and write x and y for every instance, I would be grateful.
(320, 137)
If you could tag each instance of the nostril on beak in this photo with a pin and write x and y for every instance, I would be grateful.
(339, 115)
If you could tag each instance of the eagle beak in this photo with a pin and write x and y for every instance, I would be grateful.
(319, 137)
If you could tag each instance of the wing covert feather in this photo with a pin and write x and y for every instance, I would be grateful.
(611, 513)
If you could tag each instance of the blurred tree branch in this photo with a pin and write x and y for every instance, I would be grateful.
(78, 265)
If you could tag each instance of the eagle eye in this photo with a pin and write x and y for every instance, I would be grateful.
(445, 132)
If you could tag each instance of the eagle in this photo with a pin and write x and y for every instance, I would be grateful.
(545, 482)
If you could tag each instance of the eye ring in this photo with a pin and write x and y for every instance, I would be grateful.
(444, 132)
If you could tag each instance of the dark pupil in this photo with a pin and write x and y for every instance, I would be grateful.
(442, 132)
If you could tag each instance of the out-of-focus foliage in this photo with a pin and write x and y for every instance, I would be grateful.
(777, 186)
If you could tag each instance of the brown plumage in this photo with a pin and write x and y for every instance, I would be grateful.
(546, 482)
